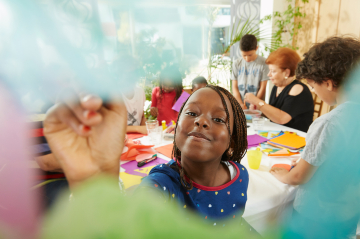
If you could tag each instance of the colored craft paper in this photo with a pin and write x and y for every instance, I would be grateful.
(288, 140)
(255, 140)
(285, 166)
(269, 134)
(165, 150)
(142, 157)
(281, 152)
(183, 97)
(135, 136)
(132, 168)
(263, 133)
(134, 150)
(130, 180)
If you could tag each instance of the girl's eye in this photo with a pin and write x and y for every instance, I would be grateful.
(190, 113)
(218, 120)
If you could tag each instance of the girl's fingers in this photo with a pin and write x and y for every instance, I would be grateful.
(117, 105)
(90, 102)
(294, 162)
(61, 113)
(83, 107)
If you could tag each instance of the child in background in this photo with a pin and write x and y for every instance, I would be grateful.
(206, 174)
(134, 101)
(249, 73)
(164, 97)
(325, 67)
(128, 67)
(198, 82)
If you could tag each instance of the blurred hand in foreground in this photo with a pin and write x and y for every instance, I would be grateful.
(86, 135)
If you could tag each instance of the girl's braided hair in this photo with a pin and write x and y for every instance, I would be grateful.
(238, 138)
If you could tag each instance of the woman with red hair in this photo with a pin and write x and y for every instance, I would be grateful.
(291, 103)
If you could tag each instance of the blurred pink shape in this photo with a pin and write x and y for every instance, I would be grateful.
(19, 208)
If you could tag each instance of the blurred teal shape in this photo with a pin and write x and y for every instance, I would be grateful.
(48, 46)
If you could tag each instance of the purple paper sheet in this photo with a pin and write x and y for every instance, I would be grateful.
(255, 140)
(130, 167)
(183, 97)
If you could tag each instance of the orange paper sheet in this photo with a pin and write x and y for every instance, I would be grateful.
(135, 136)
(290, 140)
(165, 150)
(282, 152)
(134, 150)
(285, 166)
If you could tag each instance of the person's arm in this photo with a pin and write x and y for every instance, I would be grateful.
(262, 89)
(136, 129)
(274, 114)
(300, 174)
(48, 163)
(143, 120)
(236, 93)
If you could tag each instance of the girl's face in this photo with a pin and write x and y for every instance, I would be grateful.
(202, 134)
(167, 85)
(277, 75)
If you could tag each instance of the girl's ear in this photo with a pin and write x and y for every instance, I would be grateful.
(330, 85)
(231, 144)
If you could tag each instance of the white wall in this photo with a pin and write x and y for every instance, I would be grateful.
(268, 7)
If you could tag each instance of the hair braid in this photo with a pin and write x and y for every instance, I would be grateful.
(237, 138)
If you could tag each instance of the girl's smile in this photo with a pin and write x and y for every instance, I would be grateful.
(198, 136)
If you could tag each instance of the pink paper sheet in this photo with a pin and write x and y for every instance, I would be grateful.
(130, 167)
(255, 140)
(183, 97)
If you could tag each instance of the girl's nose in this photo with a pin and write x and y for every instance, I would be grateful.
(202, 122)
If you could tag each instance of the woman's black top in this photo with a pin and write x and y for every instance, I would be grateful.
(299, 107)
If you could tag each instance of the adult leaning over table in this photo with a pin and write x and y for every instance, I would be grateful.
(291, 103)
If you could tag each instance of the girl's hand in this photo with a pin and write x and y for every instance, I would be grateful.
(252, 107)
(251, 98)
(154, 111)
(294, 162)
(279, 173)
(86, 136)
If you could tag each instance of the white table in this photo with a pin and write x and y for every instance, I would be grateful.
(267, 197)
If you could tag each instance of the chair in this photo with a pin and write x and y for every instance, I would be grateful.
(188, 91)
(318, 103)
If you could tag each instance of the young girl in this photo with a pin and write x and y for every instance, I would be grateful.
(164, 97)
(206, 174)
